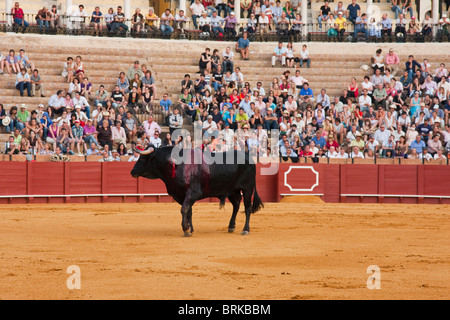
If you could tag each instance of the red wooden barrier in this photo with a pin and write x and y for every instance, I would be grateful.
(42, 182)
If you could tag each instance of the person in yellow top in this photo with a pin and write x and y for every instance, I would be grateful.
(150, 20)
(341, 23)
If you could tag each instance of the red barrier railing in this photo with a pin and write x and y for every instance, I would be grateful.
(49, 182)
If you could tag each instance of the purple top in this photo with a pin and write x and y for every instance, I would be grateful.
(88, 129)
(230, 22)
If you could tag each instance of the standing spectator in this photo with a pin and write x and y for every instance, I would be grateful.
(353, 11)
(36, 83)
(196, 11)
(324, 14)
(243, 46)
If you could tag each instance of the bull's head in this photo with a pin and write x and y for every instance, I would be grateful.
(143, 168)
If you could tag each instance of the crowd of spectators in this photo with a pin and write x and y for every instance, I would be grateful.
(216, 18)
(399, 110)
(79, 120)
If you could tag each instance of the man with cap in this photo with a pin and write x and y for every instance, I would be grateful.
(358, 142)
(204, 22)
(135, 68)
(230, 24)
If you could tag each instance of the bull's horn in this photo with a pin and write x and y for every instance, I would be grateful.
(148, 151)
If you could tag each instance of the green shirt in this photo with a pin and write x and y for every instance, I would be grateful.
(240, 118)
(23, 116)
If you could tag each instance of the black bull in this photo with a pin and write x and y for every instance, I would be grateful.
(188, 181)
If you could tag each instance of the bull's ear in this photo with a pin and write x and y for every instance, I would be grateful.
(145, 152)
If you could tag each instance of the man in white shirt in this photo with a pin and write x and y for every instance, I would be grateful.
(79, 20)
(263, 24)
(56, 103)
(227, 57)
(356, 153)
(304, 57)
(196, 11)
(279, 54)
(342, 154)
(209, 127)
(238, 77)
(323, 98)
(260, 89)
(80, 100)
(180, 21)
(155, 140)
(291, 104)
(382, 135)
(365, 101)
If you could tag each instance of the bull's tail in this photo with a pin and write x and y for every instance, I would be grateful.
(257, 202)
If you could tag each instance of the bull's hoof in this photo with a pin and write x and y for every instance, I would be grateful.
(230, 230)
(187, 234)
(244, 233)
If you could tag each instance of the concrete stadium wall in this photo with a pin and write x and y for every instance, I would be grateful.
(35, 182)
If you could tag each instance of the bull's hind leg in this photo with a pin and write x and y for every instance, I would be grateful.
(248, 208)
(189, 218)
(186, 213)
(235, 199)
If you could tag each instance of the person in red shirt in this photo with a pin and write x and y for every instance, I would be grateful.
(307, 153)
(331, 142)
(18, 15)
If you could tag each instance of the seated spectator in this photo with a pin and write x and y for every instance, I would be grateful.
(356, 153)
(24, 62)
(243, 46)
(23, 82)
(137, 21)
(79, 69)
(81, 102)
(400, 27)
(204, 22)
(165, 20)
(150, 20)
(353, 11)
(36, 84)
(179, 24)
(18, 17)
(279, 54)
(43, 18)
(361, 26)
(230, 25)
(119, 21)
(109, 19)
(79, 22)
(11, 62)
(155, 140)
(96, 22)
(69, 70)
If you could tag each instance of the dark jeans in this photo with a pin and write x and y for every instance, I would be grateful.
(21, 86)
(270, 124)
(117, 25)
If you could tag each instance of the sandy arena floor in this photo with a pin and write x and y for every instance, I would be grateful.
(294, 251)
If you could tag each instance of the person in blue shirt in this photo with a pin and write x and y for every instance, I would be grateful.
(412, 65)
(243, 46)
(95, 20)
(306, 94)
(361, 26)
(165, 104)
(424, 130)
(319, 140)
(418, 144)
(353, 11)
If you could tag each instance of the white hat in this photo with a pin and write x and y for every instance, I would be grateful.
(23, 106)
(77, 106)
(232, 13)
(444, 15)
(340, 12)
(6, 121)
(41, 106)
